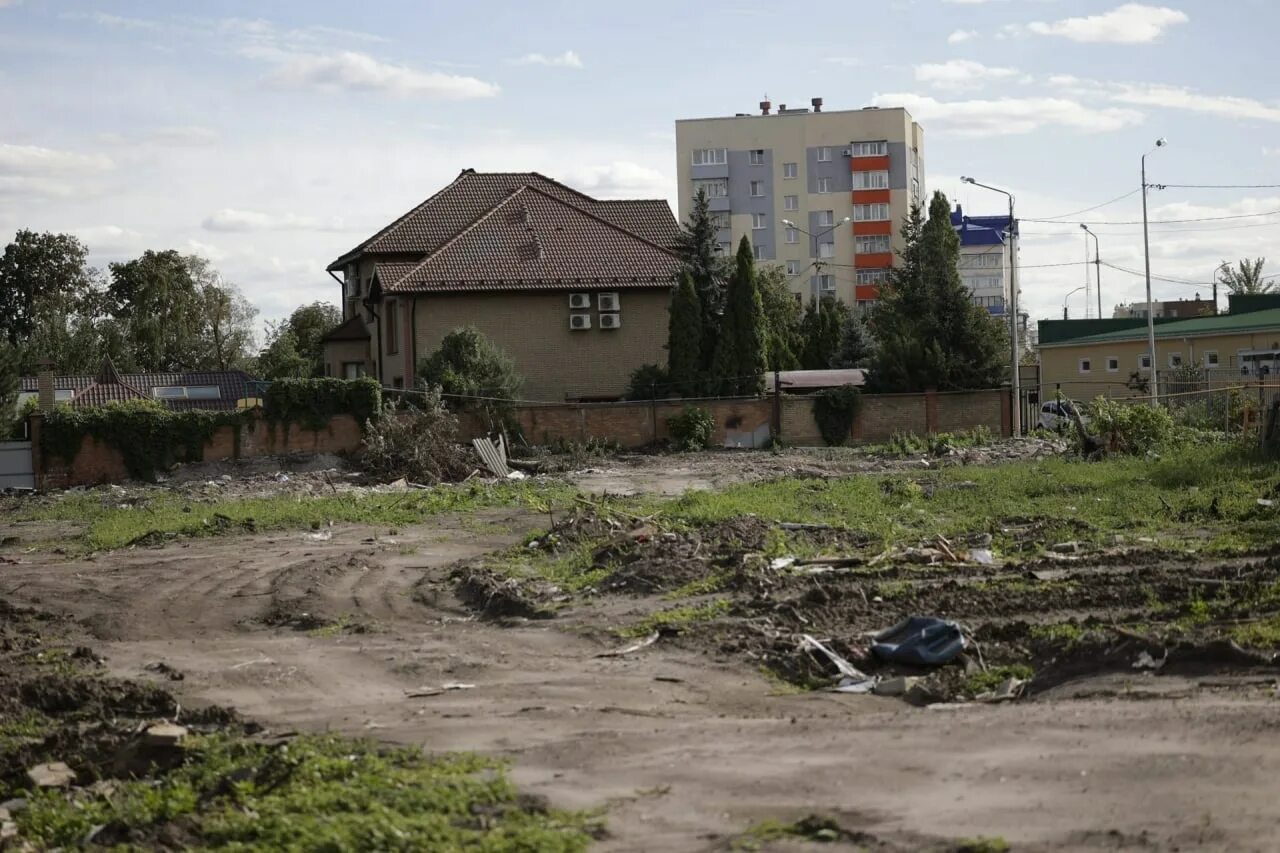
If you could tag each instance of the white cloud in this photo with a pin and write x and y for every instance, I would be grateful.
(1010, 116)
(568, 59)
(959, 36)
(230, 219)
(1169, 97)
(206, 250)
(360, 72)
(960, 74)
(32, 160)
(109, 239)
(1132, 23)
(620, 179)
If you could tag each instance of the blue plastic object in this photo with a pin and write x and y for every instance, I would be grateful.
(919, 640)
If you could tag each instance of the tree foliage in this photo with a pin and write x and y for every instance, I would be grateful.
(650, 382)
(9, 387)
(38, 271)
(295, 347)
(470, 370)
(834, 410)
(684, 339)
(782, 316)
(820, 330)
(1246, 277)
(697, 249)
(741, 351)
(930, 334)
(856, 346)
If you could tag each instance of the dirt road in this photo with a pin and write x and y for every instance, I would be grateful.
(686, 751)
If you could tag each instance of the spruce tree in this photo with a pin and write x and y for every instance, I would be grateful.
(741, 352)
(697, 249)
(821, 328)
(684, 339)
(856, 346)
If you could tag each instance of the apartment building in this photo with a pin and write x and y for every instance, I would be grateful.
(824, 194)
(985, 258)
(1183, 309)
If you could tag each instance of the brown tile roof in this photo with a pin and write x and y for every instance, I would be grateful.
(534, 240)
(101, 393)
(353, 329)
(431, 224)
(233, 385)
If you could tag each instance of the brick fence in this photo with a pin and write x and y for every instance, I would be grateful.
(96, 462)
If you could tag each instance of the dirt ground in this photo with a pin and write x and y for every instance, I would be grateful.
(689, 742)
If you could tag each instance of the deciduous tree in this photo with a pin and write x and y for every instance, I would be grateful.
(1246, 277)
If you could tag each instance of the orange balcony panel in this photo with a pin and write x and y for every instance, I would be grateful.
(866, 291)
(871, 197)
(869, 164)
(873, 260)
(867, 229)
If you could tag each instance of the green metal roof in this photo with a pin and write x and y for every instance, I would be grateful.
(1221, 324)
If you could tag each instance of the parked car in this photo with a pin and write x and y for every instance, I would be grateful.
(1056, 415)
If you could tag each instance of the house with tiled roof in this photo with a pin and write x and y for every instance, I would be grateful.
(573, 289)
(189, 389)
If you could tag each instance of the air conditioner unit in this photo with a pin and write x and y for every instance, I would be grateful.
(611, 321)
(609, 302)
(579, 300)
(848, 152)
(578, 322)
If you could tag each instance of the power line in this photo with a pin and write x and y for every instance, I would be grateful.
(1169, 221)
(1222, 186)
(1086, 210)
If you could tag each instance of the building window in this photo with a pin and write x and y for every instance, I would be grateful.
(826, 283)
(758, 252)
(718, 188)
(722, 248)
(790, 170)
(710, 156)
(757, 157)
(1175, 359)
(984, 282)
(1144, 362)
(757, 189)
(389, 328)
(720, 220)
(352, 369)
(873, 244)
(1211, 358)
(824, 154)
(793, 267)
(1113, 364)
(872, 276)
(979, 260)
(826, 250)
(824, 185)
(869, 149)
(1085, 365)
(793, 236)
(826, 217)
(759, 221)
(915, 189)
(791, 202)
(176, 392)
(871, 180)
(870, 212)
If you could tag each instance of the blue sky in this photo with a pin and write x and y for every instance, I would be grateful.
(272, 136)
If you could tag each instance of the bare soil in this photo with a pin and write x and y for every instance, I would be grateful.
(694, 739)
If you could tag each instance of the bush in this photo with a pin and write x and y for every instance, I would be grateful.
(1133, 428)
(314, 402)
(418, 442)
(471, 371)
(649, 382)
(835, 410)
(692, 429)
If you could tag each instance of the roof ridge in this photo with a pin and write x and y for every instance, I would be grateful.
(398, 220)
(615, 226)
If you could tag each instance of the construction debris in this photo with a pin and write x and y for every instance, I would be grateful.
(634, 647)
(447, 687)
(52, 775)
(493, 455)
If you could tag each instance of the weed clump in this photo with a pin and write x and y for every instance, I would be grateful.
(692, 429)
(417, 441)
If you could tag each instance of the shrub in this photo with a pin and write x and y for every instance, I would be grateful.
(692, 429)
(650, 382)
(1133, 428)
(418, 442)
(313, 402)
(835, 410)
(471, 371)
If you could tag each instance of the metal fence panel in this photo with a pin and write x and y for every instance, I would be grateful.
(16, 470)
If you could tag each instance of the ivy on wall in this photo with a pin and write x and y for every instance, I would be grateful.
(835, 409)
(312, 403)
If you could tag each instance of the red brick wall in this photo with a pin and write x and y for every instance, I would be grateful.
(98, 463)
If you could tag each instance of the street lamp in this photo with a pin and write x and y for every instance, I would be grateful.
(1067, 298)
(1097, 263)
(1013, 305)
(1146, 252)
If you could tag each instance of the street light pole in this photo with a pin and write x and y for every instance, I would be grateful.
(1097, 263)
(1016, 355)
(1146, 252)
(817, 264)
(1067, 299)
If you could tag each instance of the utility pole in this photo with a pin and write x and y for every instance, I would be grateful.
(1097, 264)
(1146, 251)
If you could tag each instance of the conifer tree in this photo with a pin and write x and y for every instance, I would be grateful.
(741, 352)
(684, 339)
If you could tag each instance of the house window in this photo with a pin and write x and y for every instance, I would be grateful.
(873, 244)
(826, 250)
(1085, 365)
(758, 252)
(826, 217)
(757, 189)
(759, 221)
(793, 236)
(791, 202)
(718, 188)
(185, 392)
(870, 212)
(757, 157)
(389, 328)
(824, 154)
(872, 276)
(720, 220)
(1211, 358)
(710, 156)
(827, 283)
(1113, 364)
(793, 267)
(352, 369)
(1175, 359)
(1144, 362)
(824, 185)
(979, 260)
(869, 149)
(790, 170)
(871, 180)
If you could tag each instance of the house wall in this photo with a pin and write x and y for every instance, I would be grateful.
(556, 362)
(338, 353)
(1060, 365)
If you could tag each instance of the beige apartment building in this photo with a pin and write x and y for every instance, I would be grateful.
(823, 194)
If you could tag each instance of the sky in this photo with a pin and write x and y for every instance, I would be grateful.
(272, 136)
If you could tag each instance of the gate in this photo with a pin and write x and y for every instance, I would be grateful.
(16, 470)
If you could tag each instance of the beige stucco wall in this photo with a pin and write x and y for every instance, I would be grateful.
(533, 329)
(337, 353)
(1060, 365)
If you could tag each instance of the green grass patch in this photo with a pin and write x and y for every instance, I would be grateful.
(1262, 635)
(983, 845)
(165, 515)
(677, 616)
(984, 682)
(703, 586)
(316, 793)
(15, 731)
(1058, 632)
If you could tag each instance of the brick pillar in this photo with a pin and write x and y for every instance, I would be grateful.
(930, 411)
(35, 423)
(45, 397)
